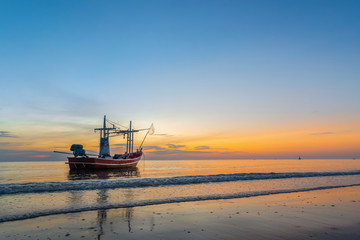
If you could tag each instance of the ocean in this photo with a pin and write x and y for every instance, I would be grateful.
(35, 189)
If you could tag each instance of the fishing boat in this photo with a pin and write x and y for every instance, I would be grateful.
(82, 160)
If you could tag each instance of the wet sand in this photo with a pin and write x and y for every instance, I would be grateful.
(323, 214)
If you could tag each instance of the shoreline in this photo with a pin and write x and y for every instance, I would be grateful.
(317, 214)
(200, 159)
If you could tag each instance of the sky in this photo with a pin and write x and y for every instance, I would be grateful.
(218, 79)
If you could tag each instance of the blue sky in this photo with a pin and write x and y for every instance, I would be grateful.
(191, 67)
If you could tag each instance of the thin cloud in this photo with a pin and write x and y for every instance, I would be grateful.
(177, 151)
(157, 148)
(202, 147)
(162, 135)
(19, 155)
(185, 154)
(119, 144)
(322, 133)
(174, 146)
(6, 134)
(41, 156)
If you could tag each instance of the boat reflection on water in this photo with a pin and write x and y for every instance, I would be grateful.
(101, 214)
(87, 174)
(126, 214)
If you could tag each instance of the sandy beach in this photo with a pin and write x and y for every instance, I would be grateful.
(322, 214)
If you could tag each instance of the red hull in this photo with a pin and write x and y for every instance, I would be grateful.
(100, 163)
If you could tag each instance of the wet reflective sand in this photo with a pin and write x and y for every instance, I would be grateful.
(324, 214)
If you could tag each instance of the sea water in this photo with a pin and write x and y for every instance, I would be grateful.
(35, 189)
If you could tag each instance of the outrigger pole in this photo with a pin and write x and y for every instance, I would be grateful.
(63, 152)
(150, 128)
(69, 153)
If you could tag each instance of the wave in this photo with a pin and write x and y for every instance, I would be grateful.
(38, 187)
(105, 206)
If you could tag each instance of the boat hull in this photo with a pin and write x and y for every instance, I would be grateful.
(101, 163)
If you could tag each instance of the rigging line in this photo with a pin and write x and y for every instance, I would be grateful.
(111, 122)
(144, 138)
(114, 123)
(121, 125)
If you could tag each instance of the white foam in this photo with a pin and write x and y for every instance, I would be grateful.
(36, 187)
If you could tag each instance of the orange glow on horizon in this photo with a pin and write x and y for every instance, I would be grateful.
(269, 143)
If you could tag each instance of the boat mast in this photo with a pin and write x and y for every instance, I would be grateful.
(130, 140)
(104, 139)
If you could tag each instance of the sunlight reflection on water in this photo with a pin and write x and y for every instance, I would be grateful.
(21, 172)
